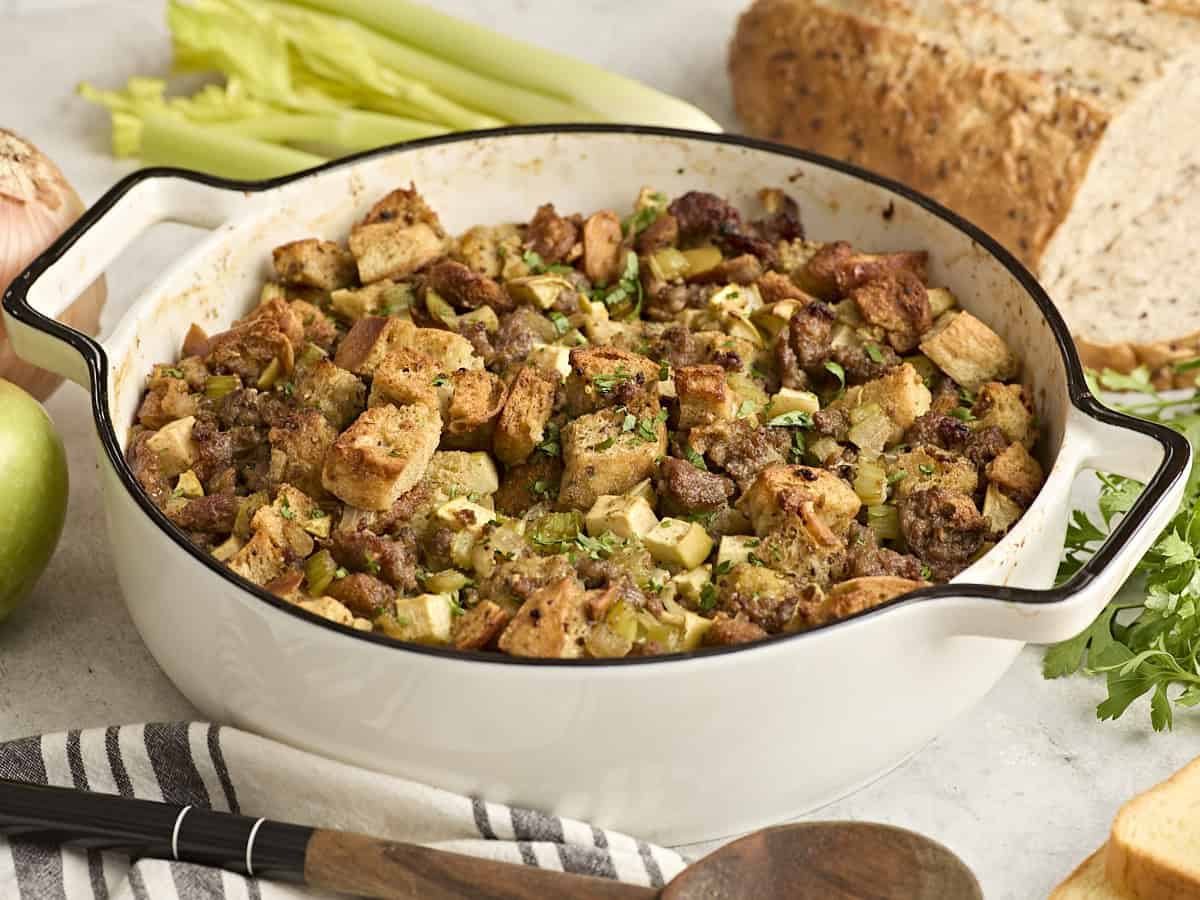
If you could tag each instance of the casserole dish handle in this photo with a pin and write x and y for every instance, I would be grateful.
(1103, 440)
(51, 283)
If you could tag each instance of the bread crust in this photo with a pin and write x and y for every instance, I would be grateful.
(800, 71)
(1138, 869)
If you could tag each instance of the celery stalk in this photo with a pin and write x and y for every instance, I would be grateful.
(168, 140)
(506, 101)
(606, 95)
(350, 130)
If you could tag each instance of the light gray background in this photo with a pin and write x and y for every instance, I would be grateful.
(1022, 787)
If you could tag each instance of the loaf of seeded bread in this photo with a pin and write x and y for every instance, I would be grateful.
(1065, 128)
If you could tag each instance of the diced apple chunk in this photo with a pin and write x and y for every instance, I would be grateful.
(174, 445)
(460, 514)
(625, 516)
(689, 584)
(734, 549)
(791, 400)
(425, 619)
(694, 628)
(678, 543)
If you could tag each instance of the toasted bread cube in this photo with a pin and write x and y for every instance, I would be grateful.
(1016, 473)
(734, 549)
(968, 351)
(370, 340)
(460, 514)
(900, 394)
(337, 394)
(601, 458)
(789, 400)
(625, 516)
(859, 594)
(174, 446)
(425, 619)
(313, 263)
(383, 298)
(1009, 408)
(475, 405)
(295, 506)
(522, 424)
(603, 376)
(480, 248)
(550, 624)
(480, 625)
(899, 304)
(260, 560)
(459, 472)
(645, 490)
(298, 447)
(1000, 511)
(281, 524)
(406, 376)
(924, 467)
(383, 454)
(551, 358)
(678, 543)
(393, 250)
(226, 550)
(704, 397)
(452, 350)
(690, 583)
(817, 499)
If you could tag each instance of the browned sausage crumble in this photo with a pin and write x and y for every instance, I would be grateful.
(591, 436)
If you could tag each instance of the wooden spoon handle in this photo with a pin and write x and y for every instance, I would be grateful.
(369, 867)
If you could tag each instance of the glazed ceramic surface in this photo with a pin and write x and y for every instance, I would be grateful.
(674, 749)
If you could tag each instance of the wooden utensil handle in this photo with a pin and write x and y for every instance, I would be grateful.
(369, 867)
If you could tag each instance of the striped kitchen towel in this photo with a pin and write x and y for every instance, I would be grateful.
(230, 770)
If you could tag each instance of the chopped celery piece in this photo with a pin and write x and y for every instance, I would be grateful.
(440, 309)
(870, 482)
(884, 521)
(701, 259)
(217, 386)
(319, 570)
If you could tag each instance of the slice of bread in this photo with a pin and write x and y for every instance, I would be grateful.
(1088, 882)
(1062, 127)
(1154, 848)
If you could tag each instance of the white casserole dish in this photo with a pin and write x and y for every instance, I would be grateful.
(674, 749)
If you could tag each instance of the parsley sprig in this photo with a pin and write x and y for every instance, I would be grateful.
(1150, 646)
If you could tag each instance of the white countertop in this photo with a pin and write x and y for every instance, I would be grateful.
(1022, 787)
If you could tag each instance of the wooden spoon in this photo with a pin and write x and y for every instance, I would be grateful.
(826, 860)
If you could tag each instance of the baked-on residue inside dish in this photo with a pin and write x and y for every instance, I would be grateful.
(591, 436)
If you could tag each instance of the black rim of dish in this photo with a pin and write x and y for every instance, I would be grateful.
(1175, 446)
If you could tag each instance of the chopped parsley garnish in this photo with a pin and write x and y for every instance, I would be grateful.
(537, 265)
(285, 508)
(644, 217)
(796, 451)
(394, 452)
(628, 423)
(456, 608)
(339, 573)
(926, 469)
(440, 380)
(722, 568)
(664, 370)
(874, 353)
(758, 373)
(627, 289)
(708, 597)
(796, 418)
(561, 325)
(926, 572)
(173, 373)
(287, 387)
(835, 369)
(542, 489)
(754, 560)
(898, 475)
(962, 414)
(605, 444)
(318, 513)
(647, 428)
(371, 564)
(703, 518)
(597, 547)
(694, 458)
(550, 445)
(606, 381)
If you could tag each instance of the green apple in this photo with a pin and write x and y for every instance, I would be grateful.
(33, 493)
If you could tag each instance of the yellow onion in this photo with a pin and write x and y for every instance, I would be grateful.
(36, 206)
